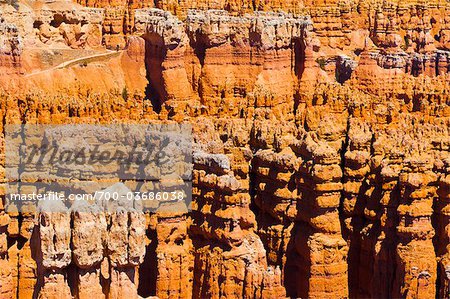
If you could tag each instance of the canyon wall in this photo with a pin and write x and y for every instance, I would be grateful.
(321, 148)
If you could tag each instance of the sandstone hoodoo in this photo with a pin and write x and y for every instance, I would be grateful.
(320, 155)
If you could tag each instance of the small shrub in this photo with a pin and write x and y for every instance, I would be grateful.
(322, 62)
(407, 43)
(125, 93)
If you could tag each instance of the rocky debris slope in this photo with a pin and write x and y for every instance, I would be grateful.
(321, 159)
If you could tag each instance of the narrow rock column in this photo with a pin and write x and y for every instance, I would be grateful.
(276, 197)
(11, 257)
(88, 237)
(126, 248)
(319, 243)
(174, 255)
(27, 264)
(443, 218)
(379, 232)
(7, 289)
(273, 181)
(55, 232)
(378, 235)
(356, 170)
(416, 260)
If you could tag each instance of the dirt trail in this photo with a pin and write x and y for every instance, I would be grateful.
(87, 59)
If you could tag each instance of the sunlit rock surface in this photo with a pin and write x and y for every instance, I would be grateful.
(321, 147)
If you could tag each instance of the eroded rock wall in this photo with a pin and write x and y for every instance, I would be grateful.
(321, 158)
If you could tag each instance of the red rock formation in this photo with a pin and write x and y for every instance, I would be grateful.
(415, 260)
(321, 155)
(443, 248)
(11, 48)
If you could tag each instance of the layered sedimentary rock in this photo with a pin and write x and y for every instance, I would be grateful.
(443, 249)
(10, 47)
(418, 266)
(94, 254)
(321, 155)
(56, 24)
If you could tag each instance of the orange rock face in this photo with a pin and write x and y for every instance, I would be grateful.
(321, 155)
